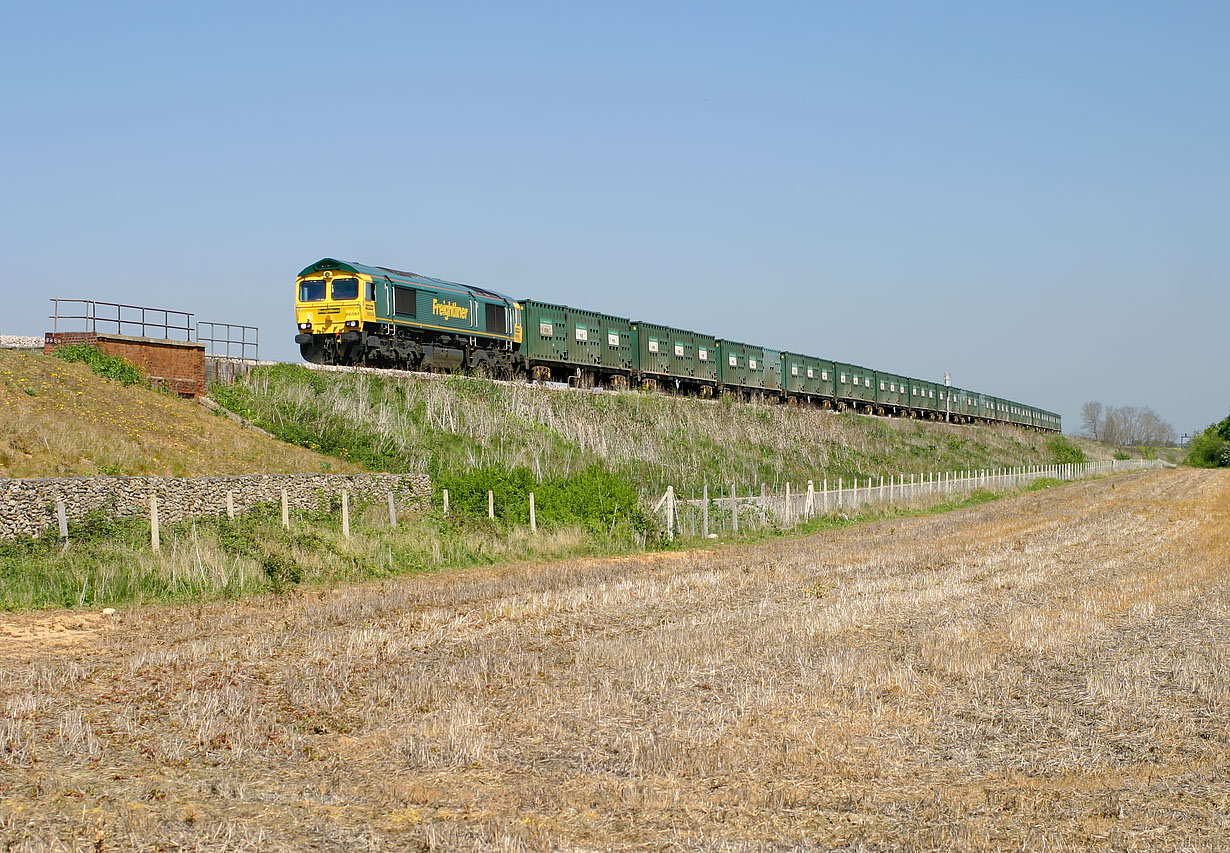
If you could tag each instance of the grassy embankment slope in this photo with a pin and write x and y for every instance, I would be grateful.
(453, 424)
(58, 419)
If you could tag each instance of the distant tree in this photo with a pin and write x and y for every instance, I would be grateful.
(1129, 426)
(1091, 418)
(1211, 449)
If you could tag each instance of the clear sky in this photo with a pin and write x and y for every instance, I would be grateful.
(1032, 196)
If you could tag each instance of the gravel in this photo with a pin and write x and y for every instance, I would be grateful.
(21, 342)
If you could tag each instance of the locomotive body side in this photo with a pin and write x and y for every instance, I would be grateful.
(354, 314)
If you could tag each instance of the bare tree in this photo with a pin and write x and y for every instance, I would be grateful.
(1091, 418)
(1132, 425)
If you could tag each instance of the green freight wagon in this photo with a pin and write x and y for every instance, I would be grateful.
(892, 393)
(855, 387)
(586, 348)
(747, 368)
(806, 378)
(923, 397)
(676, 358)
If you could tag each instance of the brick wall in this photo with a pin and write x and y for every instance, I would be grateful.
(178, 366)
(27, 507)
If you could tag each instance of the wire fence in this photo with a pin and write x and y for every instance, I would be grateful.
(712, 514)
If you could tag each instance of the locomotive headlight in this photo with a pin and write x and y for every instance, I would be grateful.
(352, 324)
(305, 327)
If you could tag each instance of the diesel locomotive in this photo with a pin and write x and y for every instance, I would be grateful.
(354, 314)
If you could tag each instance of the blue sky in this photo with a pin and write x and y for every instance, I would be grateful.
(1031, 196)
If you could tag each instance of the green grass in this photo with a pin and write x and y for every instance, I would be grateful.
(110, 562)
(107, 366)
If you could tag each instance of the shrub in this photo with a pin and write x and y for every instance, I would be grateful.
(1209, 449)
(108, 366)
(595, 498)
(1064, 452)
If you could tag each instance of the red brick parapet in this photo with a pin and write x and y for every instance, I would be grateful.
(178, 366)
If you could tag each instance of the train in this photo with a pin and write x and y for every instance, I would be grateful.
(354, 314)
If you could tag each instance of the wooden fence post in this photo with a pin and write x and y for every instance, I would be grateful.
(670, 513)
(392, 512)
(230, 503)
(786, 507)
(704, 512)
(62, 518)
(285, 510)
(533, 515)
(734, 508)
(345, 513)
(490, 504)
(445, 494)
(154, 539)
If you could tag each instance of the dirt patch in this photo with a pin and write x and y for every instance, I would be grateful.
(22, 633)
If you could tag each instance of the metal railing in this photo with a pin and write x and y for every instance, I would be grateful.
(229, 340)
(123, 319)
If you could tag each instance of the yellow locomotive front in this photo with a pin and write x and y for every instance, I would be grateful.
(329, 304)
(331, 309)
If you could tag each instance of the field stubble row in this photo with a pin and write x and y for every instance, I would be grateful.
(1043, 672)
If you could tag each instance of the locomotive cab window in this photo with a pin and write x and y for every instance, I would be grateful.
(371, 291)
(312, 291)
(345, 288)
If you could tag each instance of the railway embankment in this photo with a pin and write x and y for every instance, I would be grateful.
(593, 461)
(448, 424)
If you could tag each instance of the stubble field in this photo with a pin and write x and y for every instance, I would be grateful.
(1046, 672)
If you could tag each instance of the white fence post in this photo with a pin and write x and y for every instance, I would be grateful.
(670, 512)
(154, 539)
(704, 512)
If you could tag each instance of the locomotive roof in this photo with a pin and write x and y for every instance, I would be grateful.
(332, 264)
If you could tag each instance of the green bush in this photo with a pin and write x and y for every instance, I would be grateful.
(1064, 452)
(1211, 449)
(107, 366)
(596, 499)
(1122, 454)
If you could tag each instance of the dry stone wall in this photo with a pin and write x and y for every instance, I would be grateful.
(27, 507)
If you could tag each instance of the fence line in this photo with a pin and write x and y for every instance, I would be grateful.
(797, 503)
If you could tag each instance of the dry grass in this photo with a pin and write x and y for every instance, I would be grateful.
(1046, 672)
(654, 440)
(59, 419)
